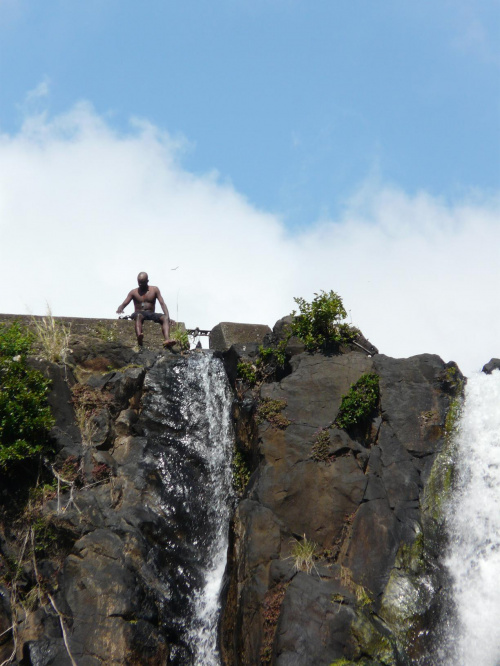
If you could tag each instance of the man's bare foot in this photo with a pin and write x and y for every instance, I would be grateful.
(140, 338)
(169, 343)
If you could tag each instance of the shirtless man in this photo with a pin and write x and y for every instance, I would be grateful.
(144, 298)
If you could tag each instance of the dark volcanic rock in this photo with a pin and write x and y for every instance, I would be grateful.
(126, 548)
(122, 550)
(361, 502)
(493, 364)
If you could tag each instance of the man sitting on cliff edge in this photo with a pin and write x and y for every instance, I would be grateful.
(144, 298)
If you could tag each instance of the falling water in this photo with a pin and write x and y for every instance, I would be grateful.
(473, 559)
(215, 409)
(188, 411)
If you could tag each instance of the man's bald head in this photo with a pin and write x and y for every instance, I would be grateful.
(142, 277)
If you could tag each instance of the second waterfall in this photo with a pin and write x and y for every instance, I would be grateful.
(187, 417)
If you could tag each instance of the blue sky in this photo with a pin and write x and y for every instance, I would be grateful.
(294, 102)
(310, 115)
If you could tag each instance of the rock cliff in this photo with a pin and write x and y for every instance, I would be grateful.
(103, 568)
(366, 500)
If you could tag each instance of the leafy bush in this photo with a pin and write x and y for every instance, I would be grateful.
(248, 372)
(319, 323)
(25, 417)
(359, 402)
(274, 355)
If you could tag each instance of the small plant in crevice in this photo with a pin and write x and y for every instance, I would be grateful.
(46, 535)
(181, 336)
(359, 403)
(274, 355)
(271, 607)
(302, 554)
(270, 410)
(87, 402)
(101, 472)
(452, 380)
(247, 372)
(241, 471)
(363, 598)
(71, 469)
(107, 332)
(321, 446)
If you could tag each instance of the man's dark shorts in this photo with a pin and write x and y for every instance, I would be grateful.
(148, 316)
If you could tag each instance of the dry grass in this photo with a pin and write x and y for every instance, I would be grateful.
(52, 337)
(303, 552)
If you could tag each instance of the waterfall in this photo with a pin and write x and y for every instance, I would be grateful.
(473, 519)
(187, 411)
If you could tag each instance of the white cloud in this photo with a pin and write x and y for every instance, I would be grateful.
(83, 209)
(39, 91)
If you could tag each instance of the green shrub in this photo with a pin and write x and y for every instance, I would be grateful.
(14, 340)
(274, 355)
(25, 418)
(241, 471)
(319, 323)
(181, 336)
(359, 403)
(247, 372)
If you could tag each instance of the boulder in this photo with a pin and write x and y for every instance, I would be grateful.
(493, 364)
(228, 333)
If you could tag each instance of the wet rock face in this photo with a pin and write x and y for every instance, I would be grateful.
(359, 501)
(135, 540)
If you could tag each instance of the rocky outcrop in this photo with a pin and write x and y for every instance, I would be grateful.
(361, 498)
(104, 569)
(226, 334)
(335, 541)
(493, 364)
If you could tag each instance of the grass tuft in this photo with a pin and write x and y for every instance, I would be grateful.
(52, 337)
(303, 552)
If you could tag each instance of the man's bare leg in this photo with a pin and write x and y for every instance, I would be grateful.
(138, 329)
(165, 328)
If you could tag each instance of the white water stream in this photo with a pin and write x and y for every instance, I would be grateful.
(188, 415)
(473, 559)
(213, 407)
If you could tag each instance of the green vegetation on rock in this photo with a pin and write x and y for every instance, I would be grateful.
(274, 355)
(320, 322)
(321, 446)
(241, 471)
(359, 403)
(302, 554)
(181, 336)
(270, 410)
(51, 338)
(25, 418)
(248, 372)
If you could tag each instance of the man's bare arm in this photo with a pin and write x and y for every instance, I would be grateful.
(162, 302)
(125, 303)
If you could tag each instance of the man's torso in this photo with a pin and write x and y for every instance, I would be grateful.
(144, 302)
